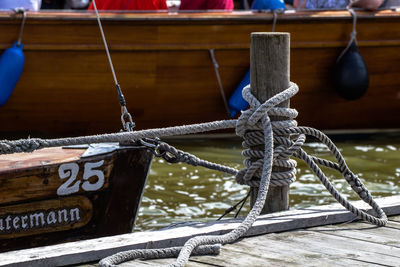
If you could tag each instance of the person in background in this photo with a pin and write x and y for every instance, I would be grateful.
(206, 4)
(129, 5)
(31, 5)
(375, 4)
(367, 4)
(338, 4)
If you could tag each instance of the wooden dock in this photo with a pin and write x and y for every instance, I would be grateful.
(315, 236)
(348, 244)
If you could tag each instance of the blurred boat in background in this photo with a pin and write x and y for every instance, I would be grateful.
(167, 75)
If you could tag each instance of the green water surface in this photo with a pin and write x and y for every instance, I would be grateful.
(180, 192)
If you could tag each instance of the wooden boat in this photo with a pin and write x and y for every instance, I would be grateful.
(167, 76)
(60, 194)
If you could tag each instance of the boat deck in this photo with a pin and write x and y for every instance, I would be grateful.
(315, 236)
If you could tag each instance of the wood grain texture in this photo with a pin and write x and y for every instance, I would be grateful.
(58, 215)
(82, 251)
(335, 245)
(31, 195)
(32, 176)
(166, 74)
(45, 156)
(269, 66)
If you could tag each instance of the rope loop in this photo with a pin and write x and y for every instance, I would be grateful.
(380, 219)
(267, 144)
(250, 128)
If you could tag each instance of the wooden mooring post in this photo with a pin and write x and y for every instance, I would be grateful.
(270, 75)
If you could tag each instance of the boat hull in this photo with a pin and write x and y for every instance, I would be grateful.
(57, 195)
(164, 67)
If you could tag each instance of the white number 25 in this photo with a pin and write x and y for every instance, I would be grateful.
(72, 185)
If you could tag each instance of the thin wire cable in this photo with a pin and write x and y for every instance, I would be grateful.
(221, 88)
(243, 202)
(129, 124)
(105, 42)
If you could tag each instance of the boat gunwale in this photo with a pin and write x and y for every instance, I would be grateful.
(235, 16)
(75, 156)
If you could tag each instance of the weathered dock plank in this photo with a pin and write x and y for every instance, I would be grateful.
(162, 262)
(313, 247)
(321, 246)
(366, 232)
(347, 244)
(247, 254)
(96, 249)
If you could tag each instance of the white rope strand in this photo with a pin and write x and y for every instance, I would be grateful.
(255, 127)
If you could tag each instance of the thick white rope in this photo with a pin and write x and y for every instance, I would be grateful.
(342, 167)
(256, 128)
(248, 126)
(232, 236)
(29, 145)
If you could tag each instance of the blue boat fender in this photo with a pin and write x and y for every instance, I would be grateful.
(268, 5)
(11, 65)
(236, 102)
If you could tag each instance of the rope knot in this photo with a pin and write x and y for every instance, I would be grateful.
(252, 125)
(173, 155)
(267, 144)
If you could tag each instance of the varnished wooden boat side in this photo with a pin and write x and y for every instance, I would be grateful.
(164, 67)
(54, 195)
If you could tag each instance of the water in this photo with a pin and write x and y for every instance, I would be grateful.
(179, 192)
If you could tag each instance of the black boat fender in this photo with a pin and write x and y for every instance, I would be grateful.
(351, 79)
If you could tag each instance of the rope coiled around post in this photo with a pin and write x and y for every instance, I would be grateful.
(256, 128)
(232, 236)
(250, 128)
